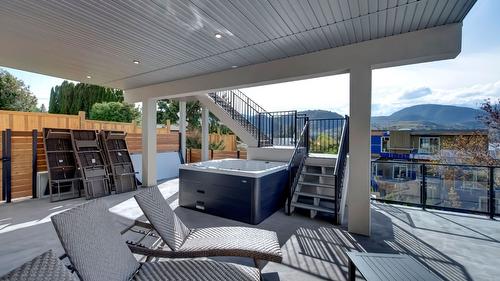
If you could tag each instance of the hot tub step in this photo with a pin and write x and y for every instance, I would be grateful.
(317, 184)
(317, 175)
(313, 208)
(314, 195)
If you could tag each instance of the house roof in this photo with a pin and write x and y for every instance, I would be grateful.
(448, 132)
(176, 39)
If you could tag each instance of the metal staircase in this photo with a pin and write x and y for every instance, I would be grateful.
(247, 113)
(318, 181)
(315, 189)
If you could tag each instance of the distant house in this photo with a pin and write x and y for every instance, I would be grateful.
(403, 147)
(419, 145)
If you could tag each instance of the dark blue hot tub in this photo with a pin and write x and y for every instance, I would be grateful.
(244, 190)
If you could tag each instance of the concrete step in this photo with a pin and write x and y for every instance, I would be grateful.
(314, 195)
(317, 174)
(320, 162)
(313, 208)
(317, 184)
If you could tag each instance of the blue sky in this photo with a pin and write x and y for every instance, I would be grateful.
(465, 81)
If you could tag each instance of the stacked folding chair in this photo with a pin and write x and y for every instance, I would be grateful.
(91, 161)
(64, 176)
(118, 161)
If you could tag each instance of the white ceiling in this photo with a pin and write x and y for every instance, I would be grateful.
(175, 39)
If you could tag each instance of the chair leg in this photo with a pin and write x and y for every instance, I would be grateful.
(352, 271)
(256, 263)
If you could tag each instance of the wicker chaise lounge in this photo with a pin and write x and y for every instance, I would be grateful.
(45, 267)
(98, 253)
(182, 242)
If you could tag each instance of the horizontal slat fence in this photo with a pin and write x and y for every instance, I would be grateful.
(27, 121)
(21, 164)
(194, 155)
(22, 157)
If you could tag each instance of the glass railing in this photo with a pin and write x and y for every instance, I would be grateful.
(463, 188)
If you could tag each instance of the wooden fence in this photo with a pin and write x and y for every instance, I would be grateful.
(27, 121)
(27, 156)
(194, 155)
(24, 164)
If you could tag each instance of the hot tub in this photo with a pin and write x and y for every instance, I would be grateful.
(242, 190)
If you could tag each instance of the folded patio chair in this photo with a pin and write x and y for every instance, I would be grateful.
(182, 242)
(98, 253)
(45, 267)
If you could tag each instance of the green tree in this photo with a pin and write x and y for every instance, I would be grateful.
(14, 94)
(114, 111)
(168, 110)
(69, 98)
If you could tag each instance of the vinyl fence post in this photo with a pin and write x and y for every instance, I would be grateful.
(6, 165)
(423, 186)
(492, 193)
(34, 160)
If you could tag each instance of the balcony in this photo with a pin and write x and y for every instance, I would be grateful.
(454, 246)
(459, 188)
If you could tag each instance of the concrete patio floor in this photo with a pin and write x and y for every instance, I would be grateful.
(454, 246)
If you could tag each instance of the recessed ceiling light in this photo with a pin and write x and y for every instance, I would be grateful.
(234, 66)
(136, 62)
(218, 35)
(88, 76)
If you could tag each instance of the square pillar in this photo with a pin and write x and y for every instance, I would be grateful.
(149, 142)
(204, 133)
(182, 128)
(358, 192)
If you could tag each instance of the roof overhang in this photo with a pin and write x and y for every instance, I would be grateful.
(427, 45)
(175, 43)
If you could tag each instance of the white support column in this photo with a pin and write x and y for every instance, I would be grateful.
(182, 127)
(149, 142)
(204, 133)
(358, 197)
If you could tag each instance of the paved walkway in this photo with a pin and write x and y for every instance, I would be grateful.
(455, 246)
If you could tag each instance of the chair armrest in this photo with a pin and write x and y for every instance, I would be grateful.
(141, 250)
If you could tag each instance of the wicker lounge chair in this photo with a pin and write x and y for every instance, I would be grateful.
(45, 267)
(182, 242)
(98, 253)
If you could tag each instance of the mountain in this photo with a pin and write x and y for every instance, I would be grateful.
(430, 116)
(320, 114)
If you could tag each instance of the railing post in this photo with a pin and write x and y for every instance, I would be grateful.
(272, 129)
(34, 159)
(232, 105)
(423, 186)
(6, 165)
(492, 192)
(307, 140)
(295, 129)
(258, 130)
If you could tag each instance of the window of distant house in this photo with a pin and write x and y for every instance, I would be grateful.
(399, 171)
(385, 144)
(428, 145)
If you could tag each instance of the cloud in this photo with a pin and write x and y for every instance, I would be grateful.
(391, 99)
(415, 94)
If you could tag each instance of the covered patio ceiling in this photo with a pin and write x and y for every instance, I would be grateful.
(176, 39)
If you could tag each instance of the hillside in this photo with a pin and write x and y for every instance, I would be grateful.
(320, 114)
(430, 116)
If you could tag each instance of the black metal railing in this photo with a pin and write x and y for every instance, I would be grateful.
(297, 161)
(246, 112)
(279, 128)
(450, 187)
(340, 164)
(325, 135)
(285, 128)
